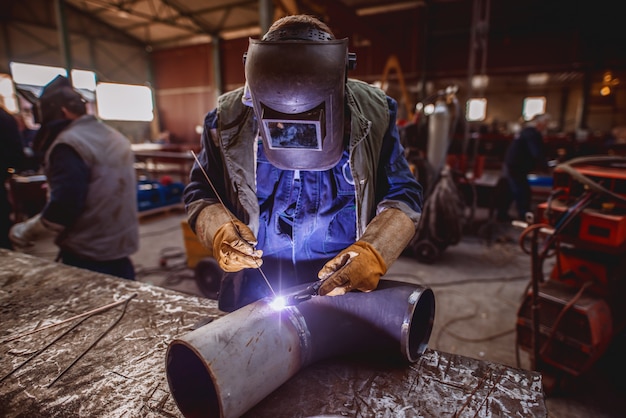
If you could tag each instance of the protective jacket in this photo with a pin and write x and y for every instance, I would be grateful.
(230, 135)
(107, 229)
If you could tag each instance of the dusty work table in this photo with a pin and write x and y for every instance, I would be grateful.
(123, 374)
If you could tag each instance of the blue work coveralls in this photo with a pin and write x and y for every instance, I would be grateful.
(302, 219)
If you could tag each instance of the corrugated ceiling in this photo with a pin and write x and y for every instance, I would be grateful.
(174, 22)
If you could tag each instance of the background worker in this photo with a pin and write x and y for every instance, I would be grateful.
(92, 206)
(524, 154)
(310, 169)
(11, 156)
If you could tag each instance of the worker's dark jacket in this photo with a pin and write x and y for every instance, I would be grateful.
(108, 227)
(232, 128)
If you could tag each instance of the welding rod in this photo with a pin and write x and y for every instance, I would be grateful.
(232, 220)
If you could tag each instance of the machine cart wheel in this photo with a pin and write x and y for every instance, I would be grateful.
(426, 251)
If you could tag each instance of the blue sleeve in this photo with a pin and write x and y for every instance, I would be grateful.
(395, 179)
(210, 157)
(68, 179)
(536, 148)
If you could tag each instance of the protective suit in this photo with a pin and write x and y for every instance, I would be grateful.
(319, 197)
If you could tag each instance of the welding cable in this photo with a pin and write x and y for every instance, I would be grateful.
(474, 314)
(560, 316)
(530, 228)
(168, 253)
(418, 280)
(584, 201)
(567, 217)
(574, 210)
(570, 168)
(553, 194)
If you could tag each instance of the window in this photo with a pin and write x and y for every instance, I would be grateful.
(34, 75)
(40, 75)
(8, 100)
(114, 101)
(533, 106)
(124, 102)
(476, 110)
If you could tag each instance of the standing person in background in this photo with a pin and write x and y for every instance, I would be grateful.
(28, 132)
(525, 154)
(11, 156)
(310, 168)
(92, 205)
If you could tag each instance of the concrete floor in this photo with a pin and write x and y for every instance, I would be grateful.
(478, 289)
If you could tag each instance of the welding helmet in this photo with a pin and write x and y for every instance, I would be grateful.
(296, 79)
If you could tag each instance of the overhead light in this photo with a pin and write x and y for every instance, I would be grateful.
(605, 91)
(480, 81)
(537, 79)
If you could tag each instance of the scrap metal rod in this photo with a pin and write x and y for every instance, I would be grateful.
(232, 220)
(65, 321)
(41, 350)
(95, 341)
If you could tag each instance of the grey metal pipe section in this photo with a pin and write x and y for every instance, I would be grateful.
(226, 367)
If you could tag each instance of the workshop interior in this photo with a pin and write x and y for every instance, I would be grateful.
(489, 311)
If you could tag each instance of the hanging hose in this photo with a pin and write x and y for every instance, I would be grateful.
(442, 216)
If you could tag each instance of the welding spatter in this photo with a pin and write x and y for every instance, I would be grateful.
(206, 176)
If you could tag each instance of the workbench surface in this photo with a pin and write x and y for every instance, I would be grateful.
(121, 373)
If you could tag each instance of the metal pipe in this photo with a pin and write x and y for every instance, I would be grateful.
(229, 365)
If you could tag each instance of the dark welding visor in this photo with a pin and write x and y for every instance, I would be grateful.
(303, 131)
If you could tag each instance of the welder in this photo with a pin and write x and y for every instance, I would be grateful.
(311, 180)
(92, 202)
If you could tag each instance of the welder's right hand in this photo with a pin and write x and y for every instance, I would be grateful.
(233, 247)
(230, 241)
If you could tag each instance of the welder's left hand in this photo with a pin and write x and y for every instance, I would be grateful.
(358, 267)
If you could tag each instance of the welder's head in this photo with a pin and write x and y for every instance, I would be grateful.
(58, 94)
(296, 77)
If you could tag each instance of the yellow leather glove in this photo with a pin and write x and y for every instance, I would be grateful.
(233, 247)
(358, 267)
(230, 240)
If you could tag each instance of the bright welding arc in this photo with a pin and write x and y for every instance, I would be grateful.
(232, 220)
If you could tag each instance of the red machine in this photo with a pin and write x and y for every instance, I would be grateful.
(568, 320)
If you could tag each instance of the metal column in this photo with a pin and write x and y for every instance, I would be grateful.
(64, 44)
(479, 32)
